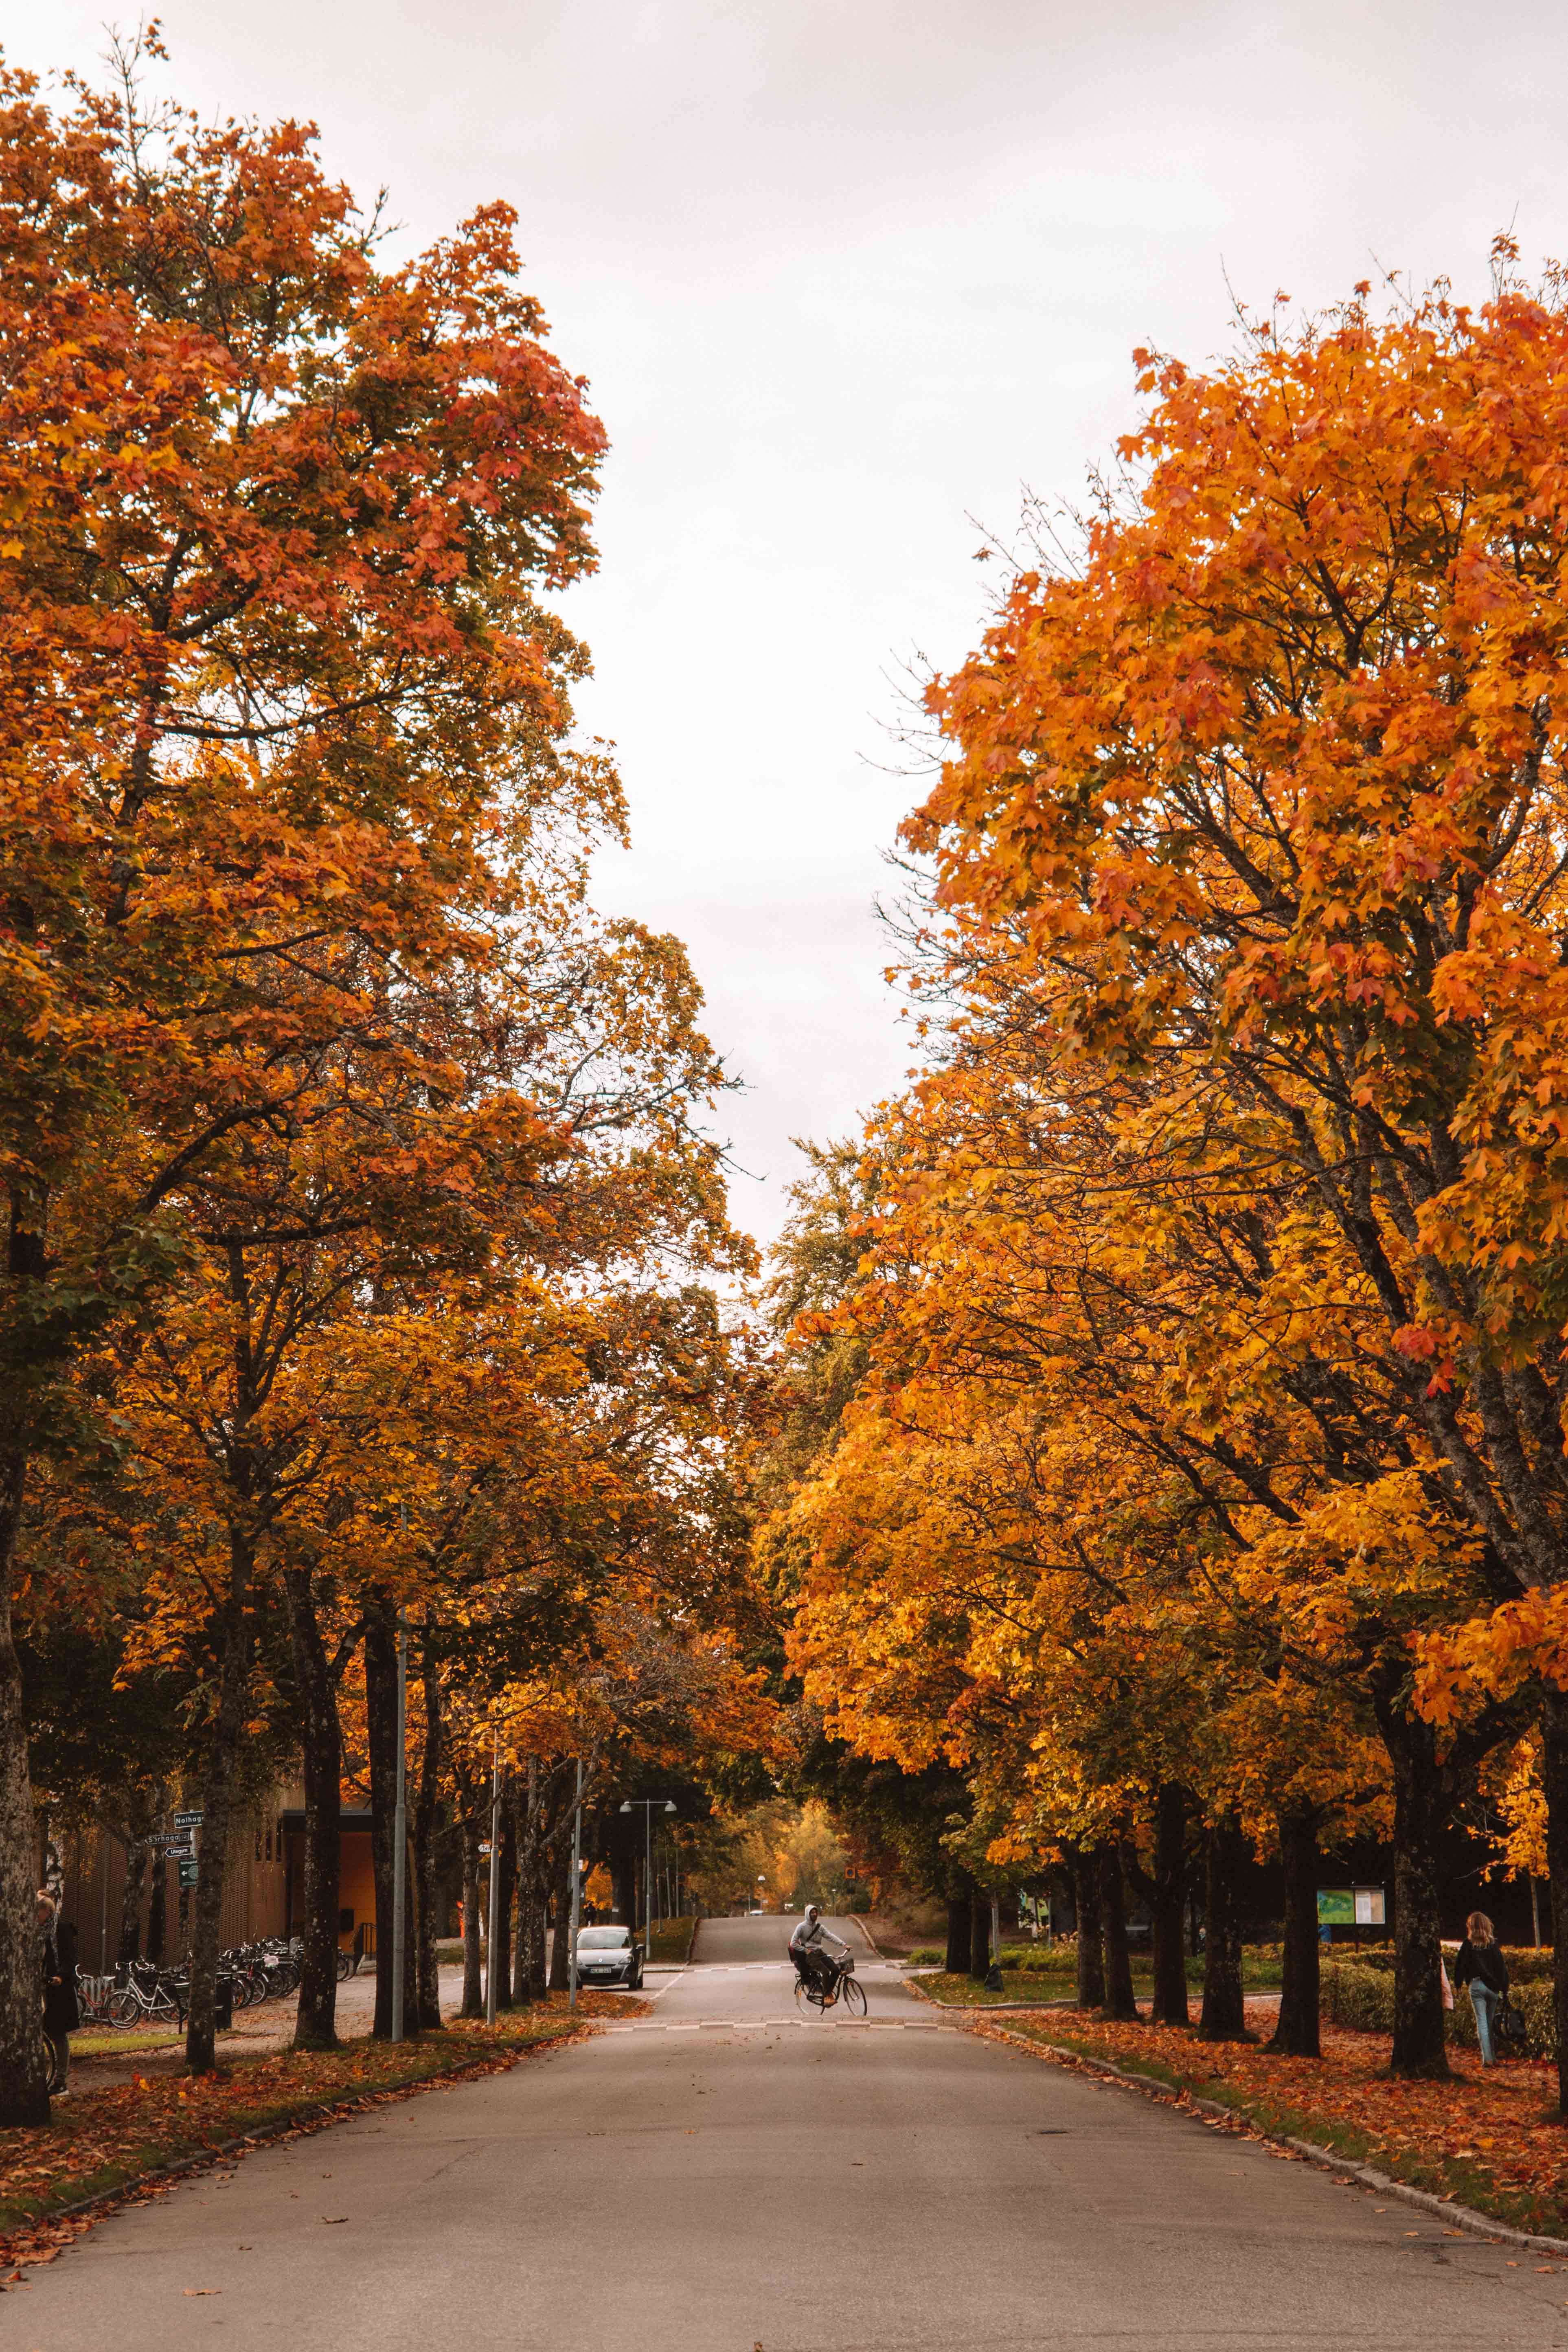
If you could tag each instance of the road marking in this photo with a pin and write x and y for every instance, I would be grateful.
(772, 2024)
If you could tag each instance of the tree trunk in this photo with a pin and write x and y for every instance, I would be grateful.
(158, 1910)
(530, 1865)
(957, 1960)
(1167, 1903)
(473, 1805)
(320, 1735)
(506, 1861)
(24, 2076)
(217, 1799)
(1554, 1774)
(1119, 2000)
(1091, 1932)
(535, 1847)
(623, 1891)
(427, 1832)
(561, 1942)
(1296, 2035)
(535, 1947)
(979, 1934)
(138, 1854)
(1224, 2015)
(473, 1950)
(381, 1738)
(1420, 1809)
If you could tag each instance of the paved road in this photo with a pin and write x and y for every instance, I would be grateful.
(723, 2176)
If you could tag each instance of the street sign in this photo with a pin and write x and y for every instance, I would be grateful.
(188, 1821)
(181, 1844)
(187, 1871)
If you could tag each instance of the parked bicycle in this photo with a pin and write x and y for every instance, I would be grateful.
(149, 1995)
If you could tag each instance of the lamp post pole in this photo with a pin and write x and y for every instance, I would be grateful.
(495, 1885)
(400, 1835)
(576, 1888)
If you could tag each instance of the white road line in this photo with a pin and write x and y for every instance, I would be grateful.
(774, 2024)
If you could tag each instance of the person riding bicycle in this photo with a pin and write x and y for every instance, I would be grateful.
(805, 1950)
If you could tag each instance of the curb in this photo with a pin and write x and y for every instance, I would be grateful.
(870, 1939)
(319, 2118)
(1150, 2086)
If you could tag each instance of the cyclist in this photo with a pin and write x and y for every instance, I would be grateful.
(805, 1950)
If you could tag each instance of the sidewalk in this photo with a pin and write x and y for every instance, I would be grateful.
(268, 2026)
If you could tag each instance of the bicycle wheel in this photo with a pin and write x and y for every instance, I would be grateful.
(807, 2000)
(124, 2006)
(852, 1993)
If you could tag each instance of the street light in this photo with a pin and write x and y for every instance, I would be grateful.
(400, 1829)
(630, 1805)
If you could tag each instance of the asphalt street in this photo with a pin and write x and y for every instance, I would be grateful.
(724, 2178)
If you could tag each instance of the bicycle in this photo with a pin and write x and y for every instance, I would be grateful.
(94, 1995)
(846, 1988)
(150, 1995)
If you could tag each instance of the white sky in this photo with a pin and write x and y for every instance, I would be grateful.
(842, 277)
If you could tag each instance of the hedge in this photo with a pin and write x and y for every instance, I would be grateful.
(1362, 1998)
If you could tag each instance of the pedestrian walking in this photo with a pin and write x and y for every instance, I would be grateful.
(62, 2011)
(1481, 1965)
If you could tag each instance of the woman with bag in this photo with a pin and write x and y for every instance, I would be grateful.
(1481, 1965)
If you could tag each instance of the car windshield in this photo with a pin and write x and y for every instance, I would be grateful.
(601, 1939)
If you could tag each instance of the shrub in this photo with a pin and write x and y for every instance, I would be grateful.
(1356, 1996)
(1534, 2003)
(1360, 1997)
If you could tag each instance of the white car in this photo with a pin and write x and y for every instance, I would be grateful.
(609, 1956)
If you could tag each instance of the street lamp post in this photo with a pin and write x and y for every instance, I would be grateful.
(646, 1804)
(577, 1889)
(400, 1835)
(491, 1987)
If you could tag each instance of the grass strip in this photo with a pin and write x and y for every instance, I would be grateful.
(104, 2142)
(1027, 1987)
(1488, 2140)
(670, 1942)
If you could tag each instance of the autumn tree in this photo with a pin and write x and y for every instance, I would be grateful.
(280, 684)
(1270, 784)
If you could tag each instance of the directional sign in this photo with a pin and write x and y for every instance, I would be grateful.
(188, 1821)
(187, 1873)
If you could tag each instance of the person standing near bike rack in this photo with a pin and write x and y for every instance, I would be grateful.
(61, 2014)
(805, 1947)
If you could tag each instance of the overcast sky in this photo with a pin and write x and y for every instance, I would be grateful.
(844, 275)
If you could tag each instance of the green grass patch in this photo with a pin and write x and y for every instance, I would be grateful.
(1260, 1964)
(1017, 1985)
(670, 1943)
(104, 2041)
